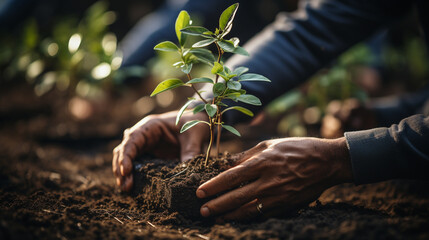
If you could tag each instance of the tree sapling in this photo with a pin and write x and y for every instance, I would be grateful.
(228, 88)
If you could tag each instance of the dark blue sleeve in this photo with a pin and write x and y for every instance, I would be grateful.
(295, 46)
(401, 151)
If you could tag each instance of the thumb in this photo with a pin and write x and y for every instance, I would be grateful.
(189, 149)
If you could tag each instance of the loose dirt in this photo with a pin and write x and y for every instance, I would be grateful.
(56, 183)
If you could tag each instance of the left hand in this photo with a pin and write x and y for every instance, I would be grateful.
(281, 174)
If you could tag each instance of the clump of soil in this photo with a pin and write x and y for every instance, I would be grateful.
(161, 185)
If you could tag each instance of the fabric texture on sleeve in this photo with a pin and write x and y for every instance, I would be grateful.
(401, 151)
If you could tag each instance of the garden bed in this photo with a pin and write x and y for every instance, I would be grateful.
(61, 186)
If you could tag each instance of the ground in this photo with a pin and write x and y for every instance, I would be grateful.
(56, 183)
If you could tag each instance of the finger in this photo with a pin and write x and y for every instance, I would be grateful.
(249, 211)
(228, 179)
(250, 153)
(230, 200)
(115, 162)
(125, 164)
(188, 150)
(115, 167)
(128, 152)
(127, 184)
(246, 212)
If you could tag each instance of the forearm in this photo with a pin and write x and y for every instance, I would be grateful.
(293, 48)
(400, 151)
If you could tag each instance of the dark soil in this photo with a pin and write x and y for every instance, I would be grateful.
(56, 183)
(169, 185)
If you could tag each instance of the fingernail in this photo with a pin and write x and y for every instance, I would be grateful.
(205, 212)
(122, 170)
(201, 193)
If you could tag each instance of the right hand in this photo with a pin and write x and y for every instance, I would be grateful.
(159, 135)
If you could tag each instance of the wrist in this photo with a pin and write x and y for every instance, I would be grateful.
(341, 157)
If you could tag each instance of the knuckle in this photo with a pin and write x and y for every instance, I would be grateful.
(262, 145)
(127, 132)
(116, 149)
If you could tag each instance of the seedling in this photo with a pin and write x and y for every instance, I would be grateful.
(228, 87)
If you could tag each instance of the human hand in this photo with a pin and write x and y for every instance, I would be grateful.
(159, 135)
(281, 174)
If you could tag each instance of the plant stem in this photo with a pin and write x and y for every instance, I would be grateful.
(193, 87)
(209, 148)
(218, 113)
(219, 129)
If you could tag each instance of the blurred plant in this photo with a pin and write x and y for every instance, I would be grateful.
(335, 83)
(79, 55)
(228, 89)
(408, 61)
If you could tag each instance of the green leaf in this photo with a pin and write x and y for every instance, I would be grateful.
(198, 108)
(189, 125)
(166, 46)
(235, 41)
(234, 85)
(241, 51)
(223, 75)
(253, 77)
(196, 31)
(232, 95)
(182, 21)
(203, 55)
(182, 110)
(200, 80)
(222, 104)
(218, 89)
(217, 68)
(241, 109)
(240, 70)
(227, 17)
(186, 68)
(226, 46)
(204, 43)
(178, 64)
(249, 99)
(229, 47)
(211, 109)
(227, 70)
(167, 85)
(232, 130)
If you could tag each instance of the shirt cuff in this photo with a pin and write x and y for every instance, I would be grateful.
(374, 156)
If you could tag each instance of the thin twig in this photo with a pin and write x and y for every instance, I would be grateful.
(193, 87)
(177, 174)
(49, 211)
(117, 219)
(151, 224)
(202, 236)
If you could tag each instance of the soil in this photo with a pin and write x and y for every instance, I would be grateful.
(56, 183)
(168, 185)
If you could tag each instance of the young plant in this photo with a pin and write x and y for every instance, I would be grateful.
(226, 84)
